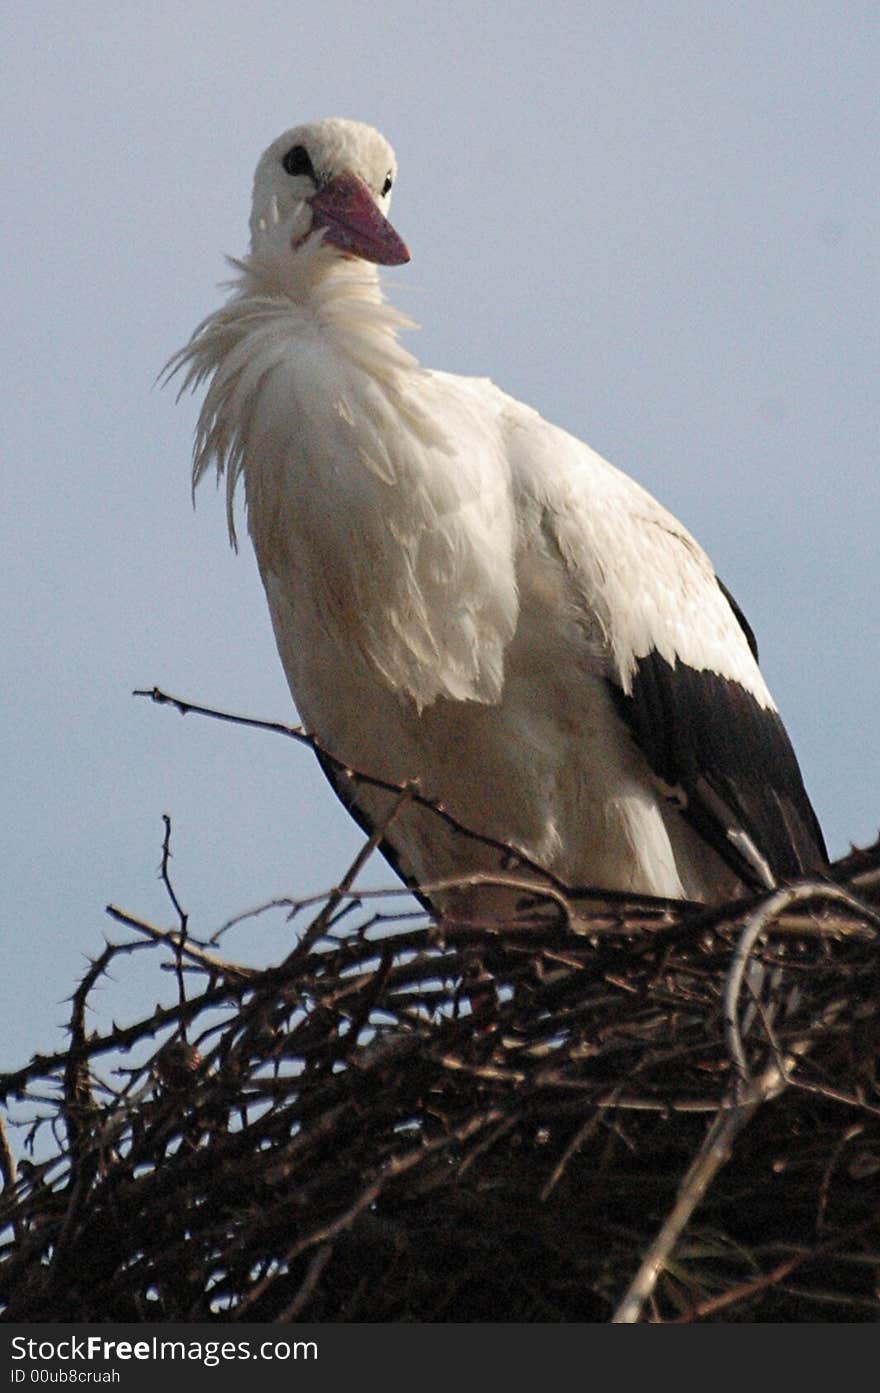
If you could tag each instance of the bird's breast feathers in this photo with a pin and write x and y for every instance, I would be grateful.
(399, 544)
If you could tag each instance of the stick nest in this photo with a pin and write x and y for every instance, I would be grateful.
(654, 1110)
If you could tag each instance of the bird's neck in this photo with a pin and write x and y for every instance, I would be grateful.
(341, 294)
(279, 308)
(303, 277)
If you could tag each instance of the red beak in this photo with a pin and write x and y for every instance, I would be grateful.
(345, 207)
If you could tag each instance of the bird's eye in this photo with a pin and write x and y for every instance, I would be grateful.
(386, 187)
(297, 161)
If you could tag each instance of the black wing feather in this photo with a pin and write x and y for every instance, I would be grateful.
(731, 764)
(740, 618)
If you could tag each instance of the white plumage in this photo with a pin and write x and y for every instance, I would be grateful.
(464, 595)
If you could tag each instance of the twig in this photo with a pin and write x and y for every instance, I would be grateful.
(310, 1281)
(712, 1155)
(166, 879)
(180, 938)
(756, 924)
(8, 1169)
(849, 1135)
(210, 961)
(338, 893)
(357, 776)
(744, 1290)
(580, 1137)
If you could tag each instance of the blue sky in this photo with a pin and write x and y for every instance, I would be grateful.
(656, 223)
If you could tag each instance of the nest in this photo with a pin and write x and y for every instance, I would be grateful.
(604, 1110)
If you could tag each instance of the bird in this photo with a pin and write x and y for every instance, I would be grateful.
(508, 654)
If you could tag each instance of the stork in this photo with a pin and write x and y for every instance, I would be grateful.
(465, 598)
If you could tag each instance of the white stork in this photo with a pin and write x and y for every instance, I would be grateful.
(466, 596)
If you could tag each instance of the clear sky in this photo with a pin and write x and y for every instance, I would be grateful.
(655, 222)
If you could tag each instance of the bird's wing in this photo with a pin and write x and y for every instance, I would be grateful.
(679, 658)
(728, 764)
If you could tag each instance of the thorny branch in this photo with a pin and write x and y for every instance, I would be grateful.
(183, 919)
(510, 854)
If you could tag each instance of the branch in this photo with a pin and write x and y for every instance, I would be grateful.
(360, 776)
(187, 949)
(712, 1155)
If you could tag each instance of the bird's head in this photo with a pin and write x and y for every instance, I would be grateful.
(326, 182)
